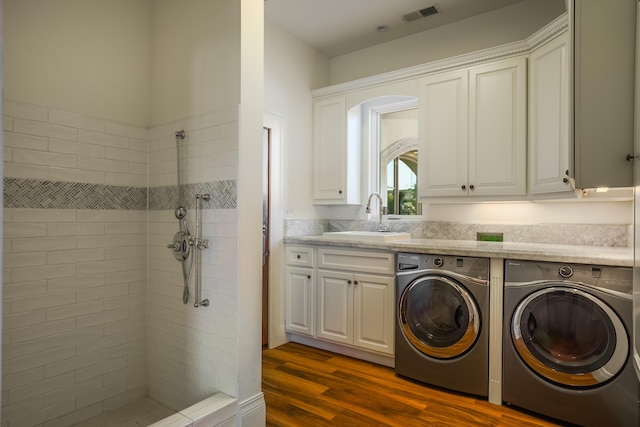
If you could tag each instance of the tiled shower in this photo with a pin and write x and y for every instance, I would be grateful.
(93, 312)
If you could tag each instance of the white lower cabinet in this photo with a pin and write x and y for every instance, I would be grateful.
(352, 306)
(356, 309)
(299, 290)
(342, 296)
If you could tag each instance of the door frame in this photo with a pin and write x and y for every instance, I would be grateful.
(277, 334)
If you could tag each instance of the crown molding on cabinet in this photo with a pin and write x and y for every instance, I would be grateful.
(548, 32)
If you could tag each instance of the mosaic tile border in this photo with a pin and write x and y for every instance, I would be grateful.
(224, 195)
(39, 194)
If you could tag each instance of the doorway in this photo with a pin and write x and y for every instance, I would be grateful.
(266, 226)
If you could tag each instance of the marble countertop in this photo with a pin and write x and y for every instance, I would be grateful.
(606, 255)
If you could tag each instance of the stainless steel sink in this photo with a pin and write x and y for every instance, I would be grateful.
(368, 236)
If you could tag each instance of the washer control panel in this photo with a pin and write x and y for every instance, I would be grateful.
(468, 266)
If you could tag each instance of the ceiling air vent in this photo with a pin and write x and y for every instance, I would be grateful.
(419, 14)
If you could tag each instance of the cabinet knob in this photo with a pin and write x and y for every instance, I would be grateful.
(565, 180)
(298, 256)
(339, 191)
(464, 187)
(355, 282)
(630, 156)
(471, 187)
(308, 276)
(348, 282)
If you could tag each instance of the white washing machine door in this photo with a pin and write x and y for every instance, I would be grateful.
(439, 317)
(569, 337)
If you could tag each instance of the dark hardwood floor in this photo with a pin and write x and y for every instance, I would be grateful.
(304, 386)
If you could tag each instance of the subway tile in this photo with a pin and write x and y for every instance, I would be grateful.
(132, 131)
(76, 416)
(161, 131)
(40, 331)
(74, 310)
(29, 376)
(72, 364)
(221, 116)
(90, 215)
(15, 170)
(125, 179)
(125, 277)
(28, 259)
(42, 301)
(141, 144)
(48, 130)
(104, 165)
(103, 241)
(10, 290)
(126, 155)
(75, 336)
(126, 252)
(76, 148)
(36, 418)
(18, 409)
(74, 256)
(7, 123)
(139, 169)
(101, 267)
(100, 292)
(81, 281)
(23, 110)
(72, 391)
(37, 244)
(44, 215)
(19, 320)
(101, 343)
(125, 228)
(104, 139)
(76, 175)
(28, 142)
(42, 158)
(42, 358)
(74, 229)
(102, 318)
(109, 366)
(39, 273)
(14, 351)
(76, 120)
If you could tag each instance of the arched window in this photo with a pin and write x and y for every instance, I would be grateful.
(399, 177)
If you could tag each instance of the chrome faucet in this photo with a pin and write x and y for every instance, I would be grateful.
(381, 211)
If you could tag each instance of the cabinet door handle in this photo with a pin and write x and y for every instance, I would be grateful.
(308, 276)
(464, 187)
(565, 180)
(355, 282)
(339, 191)
(471, 187)
(630, 156)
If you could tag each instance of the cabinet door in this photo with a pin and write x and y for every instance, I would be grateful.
(373, 308)
(443, 135)
(299, 300)
(329, 151)
(549, 150)
(334, 306)
(497, 128)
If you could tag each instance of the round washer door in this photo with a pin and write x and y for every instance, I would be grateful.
(439, 317)
(569, 337)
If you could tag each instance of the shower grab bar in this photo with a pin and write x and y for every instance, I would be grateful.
(199, 246)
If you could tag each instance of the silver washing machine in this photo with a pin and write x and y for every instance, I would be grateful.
(442, 335)
(566, 342)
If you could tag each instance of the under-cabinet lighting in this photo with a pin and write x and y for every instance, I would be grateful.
(602, 189)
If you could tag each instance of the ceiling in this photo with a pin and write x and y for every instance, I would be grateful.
(337, 27)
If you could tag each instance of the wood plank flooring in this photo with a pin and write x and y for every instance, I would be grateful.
(304, 386)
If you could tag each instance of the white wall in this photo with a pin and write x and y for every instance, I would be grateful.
(505, 25)
(292, 69)
(105, 73)
(195, 58)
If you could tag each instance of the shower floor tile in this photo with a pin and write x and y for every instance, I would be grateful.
(140, 413)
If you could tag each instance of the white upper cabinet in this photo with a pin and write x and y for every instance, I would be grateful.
(604, 73)
(472, 129)
(549, 92)
(336, 158)
(443, 129)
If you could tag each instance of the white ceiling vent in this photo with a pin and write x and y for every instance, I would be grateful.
(419, 14)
